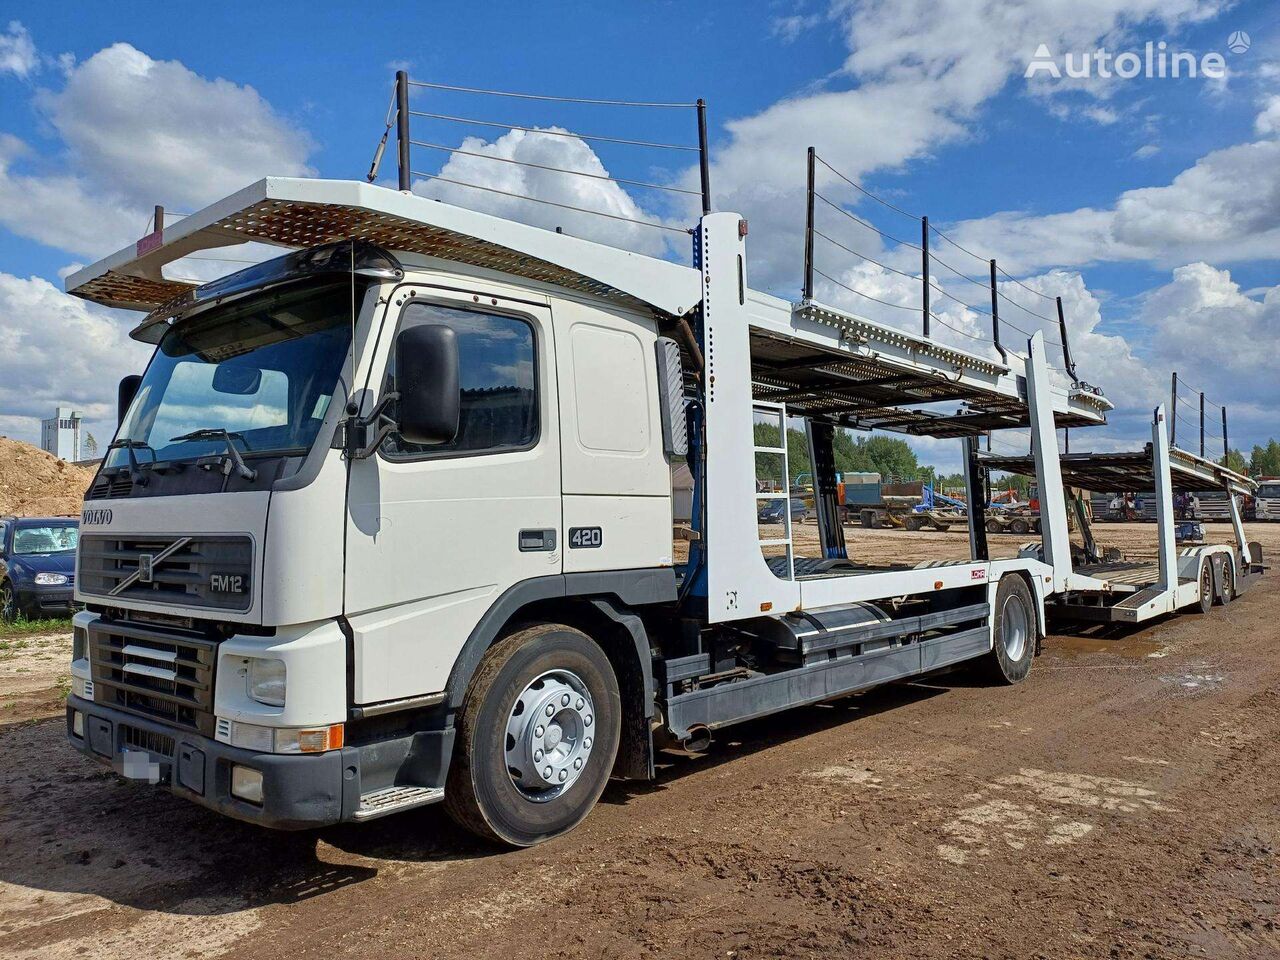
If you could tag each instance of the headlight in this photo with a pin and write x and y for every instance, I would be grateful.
(50, 579)
(267, 681)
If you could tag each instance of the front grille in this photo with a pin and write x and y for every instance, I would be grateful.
(163, 674)
(206, 571)
(110, 485)
(159, 743)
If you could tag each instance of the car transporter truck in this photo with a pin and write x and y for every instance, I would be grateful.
(388, 519)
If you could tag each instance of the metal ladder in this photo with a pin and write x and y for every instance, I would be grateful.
(778, 410)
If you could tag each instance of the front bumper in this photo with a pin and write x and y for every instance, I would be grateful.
(39, 598)
(298, 792)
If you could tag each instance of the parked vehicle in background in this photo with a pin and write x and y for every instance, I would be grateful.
(37, 566)
(1266, 503)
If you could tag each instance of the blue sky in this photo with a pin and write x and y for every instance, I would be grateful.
(1158, 198)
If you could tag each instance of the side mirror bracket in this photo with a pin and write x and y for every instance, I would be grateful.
(361, 436)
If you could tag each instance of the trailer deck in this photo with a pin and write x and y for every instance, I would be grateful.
(1131, 591)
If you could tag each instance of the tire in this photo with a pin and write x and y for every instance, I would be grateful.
(1019, 526)
(993, 526)
(8, 603)
(1208, 586)
(483, 793)
(1015, 634)
(1227, 582)
(913, 522)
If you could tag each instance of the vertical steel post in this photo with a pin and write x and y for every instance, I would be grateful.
(1173, 411)
(1202, 425)
(924, 267)
(402, 126)
(995, 314)
(1226, 447)
(1066, 344)
(1066, 439)
(157, 224)
(704, 161)
(808, 232)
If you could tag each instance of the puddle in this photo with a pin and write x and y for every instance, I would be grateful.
(1134, 647)
(1196, 682)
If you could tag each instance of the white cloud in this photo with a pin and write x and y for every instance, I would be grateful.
(72, 353)
(923, 69)
(18, 52)
(788, 29)
(1267, 123)
(1225, 208)
(138, 132)
(602, 196)
(1146, 151)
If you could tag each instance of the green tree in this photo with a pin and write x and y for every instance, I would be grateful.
(1265, 461)
(1235, 461)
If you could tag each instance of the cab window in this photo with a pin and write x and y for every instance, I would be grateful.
(496, 374)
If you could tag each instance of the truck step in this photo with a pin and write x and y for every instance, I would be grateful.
(394, 799)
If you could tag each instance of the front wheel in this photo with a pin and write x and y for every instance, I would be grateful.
(8, 603)
(1014, 631)
(537, 737)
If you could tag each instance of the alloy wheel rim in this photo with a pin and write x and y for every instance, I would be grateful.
(1014, 627)
(549, 735)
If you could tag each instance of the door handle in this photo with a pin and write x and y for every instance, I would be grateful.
(533, 541)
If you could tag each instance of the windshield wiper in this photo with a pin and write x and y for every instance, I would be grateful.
(243, 470)
(135, 470)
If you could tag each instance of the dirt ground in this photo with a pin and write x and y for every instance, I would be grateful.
(1121, 803)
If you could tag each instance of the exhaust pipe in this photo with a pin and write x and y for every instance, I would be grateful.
(698, 740)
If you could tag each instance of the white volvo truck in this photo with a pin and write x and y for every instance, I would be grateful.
(388, 520)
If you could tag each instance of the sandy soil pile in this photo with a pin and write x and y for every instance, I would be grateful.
(37, 484)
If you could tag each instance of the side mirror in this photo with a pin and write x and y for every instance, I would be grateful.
(125, 392)
(427, 380)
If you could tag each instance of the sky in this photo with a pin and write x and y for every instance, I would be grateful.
(1151, 205)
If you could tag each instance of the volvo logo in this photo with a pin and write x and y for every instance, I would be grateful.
(95, 517)
(147, 562)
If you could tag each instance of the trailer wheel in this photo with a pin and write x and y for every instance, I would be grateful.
(1014, 633)
(993, 526)
(1019, 526)
(1208, 585)
(537, 737)
(1227, 582)
(913, 522)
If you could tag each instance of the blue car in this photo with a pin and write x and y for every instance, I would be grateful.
(37, 566)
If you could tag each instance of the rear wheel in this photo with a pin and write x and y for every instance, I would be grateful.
(1019, 526)
(1207, 584)
(1014, 631)
(993, 526)
(537, 737)
(1227, 582)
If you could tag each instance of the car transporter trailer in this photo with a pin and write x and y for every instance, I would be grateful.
(1134, 591)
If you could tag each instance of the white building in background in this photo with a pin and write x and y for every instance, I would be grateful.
(60, 434)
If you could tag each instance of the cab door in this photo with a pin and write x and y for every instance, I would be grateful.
(435, 534)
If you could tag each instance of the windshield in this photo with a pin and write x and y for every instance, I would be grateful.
(46, 538)
(264, 370)
(1269, 491)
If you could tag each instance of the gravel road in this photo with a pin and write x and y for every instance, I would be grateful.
(1121, 803)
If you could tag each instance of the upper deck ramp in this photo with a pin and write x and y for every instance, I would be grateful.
(818, 360)
(1131, 472)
